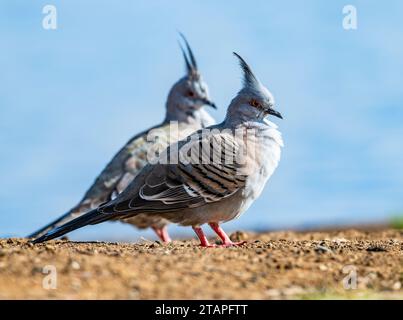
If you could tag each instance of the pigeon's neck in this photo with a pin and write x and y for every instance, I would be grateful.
(176, 112)
(185, 114)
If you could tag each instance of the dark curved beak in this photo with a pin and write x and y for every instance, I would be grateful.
(275, 113)
(209, 103)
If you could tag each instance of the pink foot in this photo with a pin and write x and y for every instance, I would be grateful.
(203, 239)
(165, 235)
(226, 241)
(162, 233)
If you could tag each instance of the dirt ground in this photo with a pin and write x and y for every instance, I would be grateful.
(275, 265)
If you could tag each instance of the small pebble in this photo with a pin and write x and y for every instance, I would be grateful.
(75, 265)
(397, 285)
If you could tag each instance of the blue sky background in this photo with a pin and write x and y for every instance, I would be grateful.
(69, 98)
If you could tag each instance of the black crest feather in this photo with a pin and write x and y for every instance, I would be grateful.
(187, 63)
(190, 60)
(249, 78)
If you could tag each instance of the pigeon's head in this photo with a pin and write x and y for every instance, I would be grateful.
(190, 93)
(254, 100)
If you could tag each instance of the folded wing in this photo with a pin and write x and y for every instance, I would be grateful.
(207, 172)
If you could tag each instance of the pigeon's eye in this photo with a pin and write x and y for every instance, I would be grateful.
(190, 93)
(255, 103)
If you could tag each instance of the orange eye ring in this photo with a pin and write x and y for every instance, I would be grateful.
(255, 103)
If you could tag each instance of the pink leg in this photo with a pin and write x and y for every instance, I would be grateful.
(165, 235)
(226, 241)
(162, 233)
(202, 237)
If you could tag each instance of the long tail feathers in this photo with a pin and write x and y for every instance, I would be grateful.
(91, 217)
(52, 225)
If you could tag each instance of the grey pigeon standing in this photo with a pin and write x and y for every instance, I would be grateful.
(184, 115)
(206, 185)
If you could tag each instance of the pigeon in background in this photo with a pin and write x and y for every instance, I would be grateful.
(184, 115)
(206, 185)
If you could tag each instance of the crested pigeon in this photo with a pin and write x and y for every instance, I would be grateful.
(185, 114)
(214, 177)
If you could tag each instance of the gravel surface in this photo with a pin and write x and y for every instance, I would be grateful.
(272, 265)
